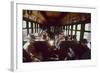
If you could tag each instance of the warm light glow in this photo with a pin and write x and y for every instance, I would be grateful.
(51, 42)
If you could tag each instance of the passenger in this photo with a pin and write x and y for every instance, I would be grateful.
(87, 52)
(69, 38)
(62, 52)
(26, 56)
(83, 51)
(74, 39)
(61, 38)
(30, 41)
(45, 36)
(30, 49)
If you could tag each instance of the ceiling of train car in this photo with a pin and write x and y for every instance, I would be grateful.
(55, 18)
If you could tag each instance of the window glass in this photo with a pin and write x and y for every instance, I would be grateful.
(70, 27)
(29, 24)
(69, 32)
(24, 34)
(79, 27)
(33, 27)
(23, 24)
(88, 27)
(65, 27)
(39, 28)
(73, 27)
(73, 33)
(65, 33)
(87, 36)
(30, 31)
(78, 35)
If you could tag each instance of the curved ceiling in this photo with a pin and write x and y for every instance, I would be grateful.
(55, 18)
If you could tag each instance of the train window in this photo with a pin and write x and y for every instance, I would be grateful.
(73, 27)
(33, 27)
(70, 27)
(78, 35)
(39, 27)
(24, 31)
(66, 28)
(73, 33)
(79, 27)
(24, 24)
(69, 32)
(29, 24)
(87, 36)
(65, 33)
(30, 31)
(87, 27)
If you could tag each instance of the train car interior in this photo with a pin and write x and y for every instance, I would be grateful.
(55, 36)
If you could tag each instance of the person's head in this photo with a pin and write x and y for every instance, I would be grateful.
(69, 37)
(84, 42)
(74, 37)
(61, 34)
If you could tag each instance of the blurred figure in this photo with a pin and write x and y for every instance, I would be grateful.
(61, 36)
(86, 52)
(29, 45)
(31, 40)
(74, 39)
(82, 51)
(31, 49)
(71, 54)
(58, 39)
(69, 38)
(45, 36)
(26, 56)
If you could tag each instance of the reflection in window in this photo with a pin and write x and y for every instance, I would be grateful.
(24, 24)
(78, 35)
(88, 27)
(79, 27)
